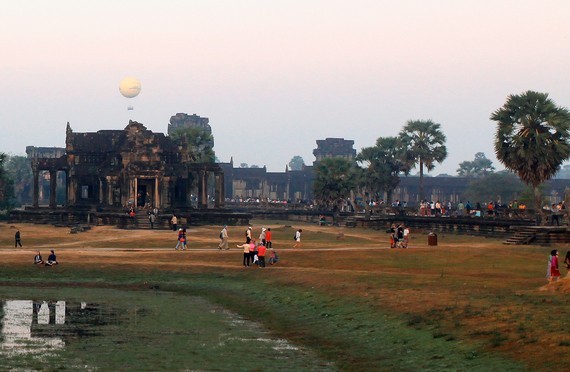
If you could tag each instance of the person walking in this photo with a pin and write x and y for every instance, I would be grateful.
(151, 219)
(17, 239)
(181, 239)
(298, 239)
(400, 236)
(223, 239)
(553, 273)
(174, 221)
(406, 237)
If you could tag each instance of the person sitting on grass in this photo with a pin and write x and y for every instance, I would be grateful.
(38, 259)
(52, 260)
(273, 258)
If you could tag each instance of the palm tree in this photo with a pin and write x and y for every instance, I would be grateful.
(423, 144)
(532, 138)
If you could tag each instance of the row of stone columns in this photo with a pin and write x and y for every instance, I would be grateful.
(71, 189)
(36, 187)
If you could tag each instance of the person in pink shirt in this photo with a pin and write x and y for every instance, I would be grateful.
(553, 273)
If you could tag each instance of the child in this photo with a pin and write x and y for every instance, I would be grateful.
(273, 258)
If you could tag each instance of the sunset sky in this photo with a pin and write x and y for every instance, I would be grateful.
(275, 76)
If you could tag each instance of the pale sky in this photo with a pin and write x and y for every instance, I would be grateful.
(274, 76)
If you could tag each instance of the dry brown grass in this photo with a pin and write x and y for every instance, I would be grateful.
(466, 288)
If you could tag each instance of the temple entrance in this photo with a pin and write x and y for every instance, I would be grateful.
(141, 196)
(145, 193)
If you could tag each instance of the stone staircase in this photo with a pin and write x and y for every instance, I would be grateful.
(140, 221)
(540, 235)
(522, 236)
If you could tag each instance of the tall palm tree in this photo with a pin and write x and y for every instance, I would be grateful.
(532, 138)
(424, 144)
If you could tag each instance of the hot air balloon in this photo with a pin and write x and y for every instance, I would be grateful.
(130, 88)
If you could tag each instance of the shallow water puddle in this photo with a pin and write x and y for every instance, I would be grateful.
(40, 327)
(191, 332)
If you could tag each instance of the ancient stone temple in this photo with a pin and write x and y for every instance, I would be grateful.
(133, 167)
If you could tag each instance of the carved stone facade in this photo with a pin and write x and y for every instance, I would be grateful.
(123, 168)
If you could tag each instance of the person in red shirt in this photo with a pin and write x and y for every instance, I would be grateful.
(268, 243)
(261, 249)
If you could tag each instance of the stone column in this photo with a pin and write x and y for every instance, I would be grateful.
(52, 188)
(136, 192)
(35, 185)
(220, 192)
(202, 189)
(156, 194)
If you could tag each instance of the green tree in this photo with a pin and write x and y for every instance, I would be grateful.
(382, 166)
(501, 186)
(335, 178)
(19, 171)
(199, 142)
(480, 166)
(6, 185)
(532, 138)
(423, 143)
(297, 163)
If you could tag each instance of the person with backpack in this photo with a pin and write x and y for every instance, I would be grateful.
(181, 239)
(248, 235)
(298, 239)
(223, 239)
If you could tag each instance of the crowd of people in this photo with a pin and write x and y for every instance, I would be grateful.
(254, 253)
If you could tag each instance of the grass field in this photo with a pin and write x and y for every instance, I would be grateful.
(343, 301)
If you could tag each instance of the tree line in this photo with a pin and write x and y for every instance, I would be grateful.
(531, 141)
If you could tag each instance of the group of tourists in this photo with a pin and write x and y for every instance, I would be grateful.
(399, 236)
(253, 252)
(552, 267)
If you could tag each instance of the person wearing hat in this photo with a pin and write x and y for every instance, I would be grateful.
(262, 236)
(181, 239)
(248, 235)
(223, 239)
